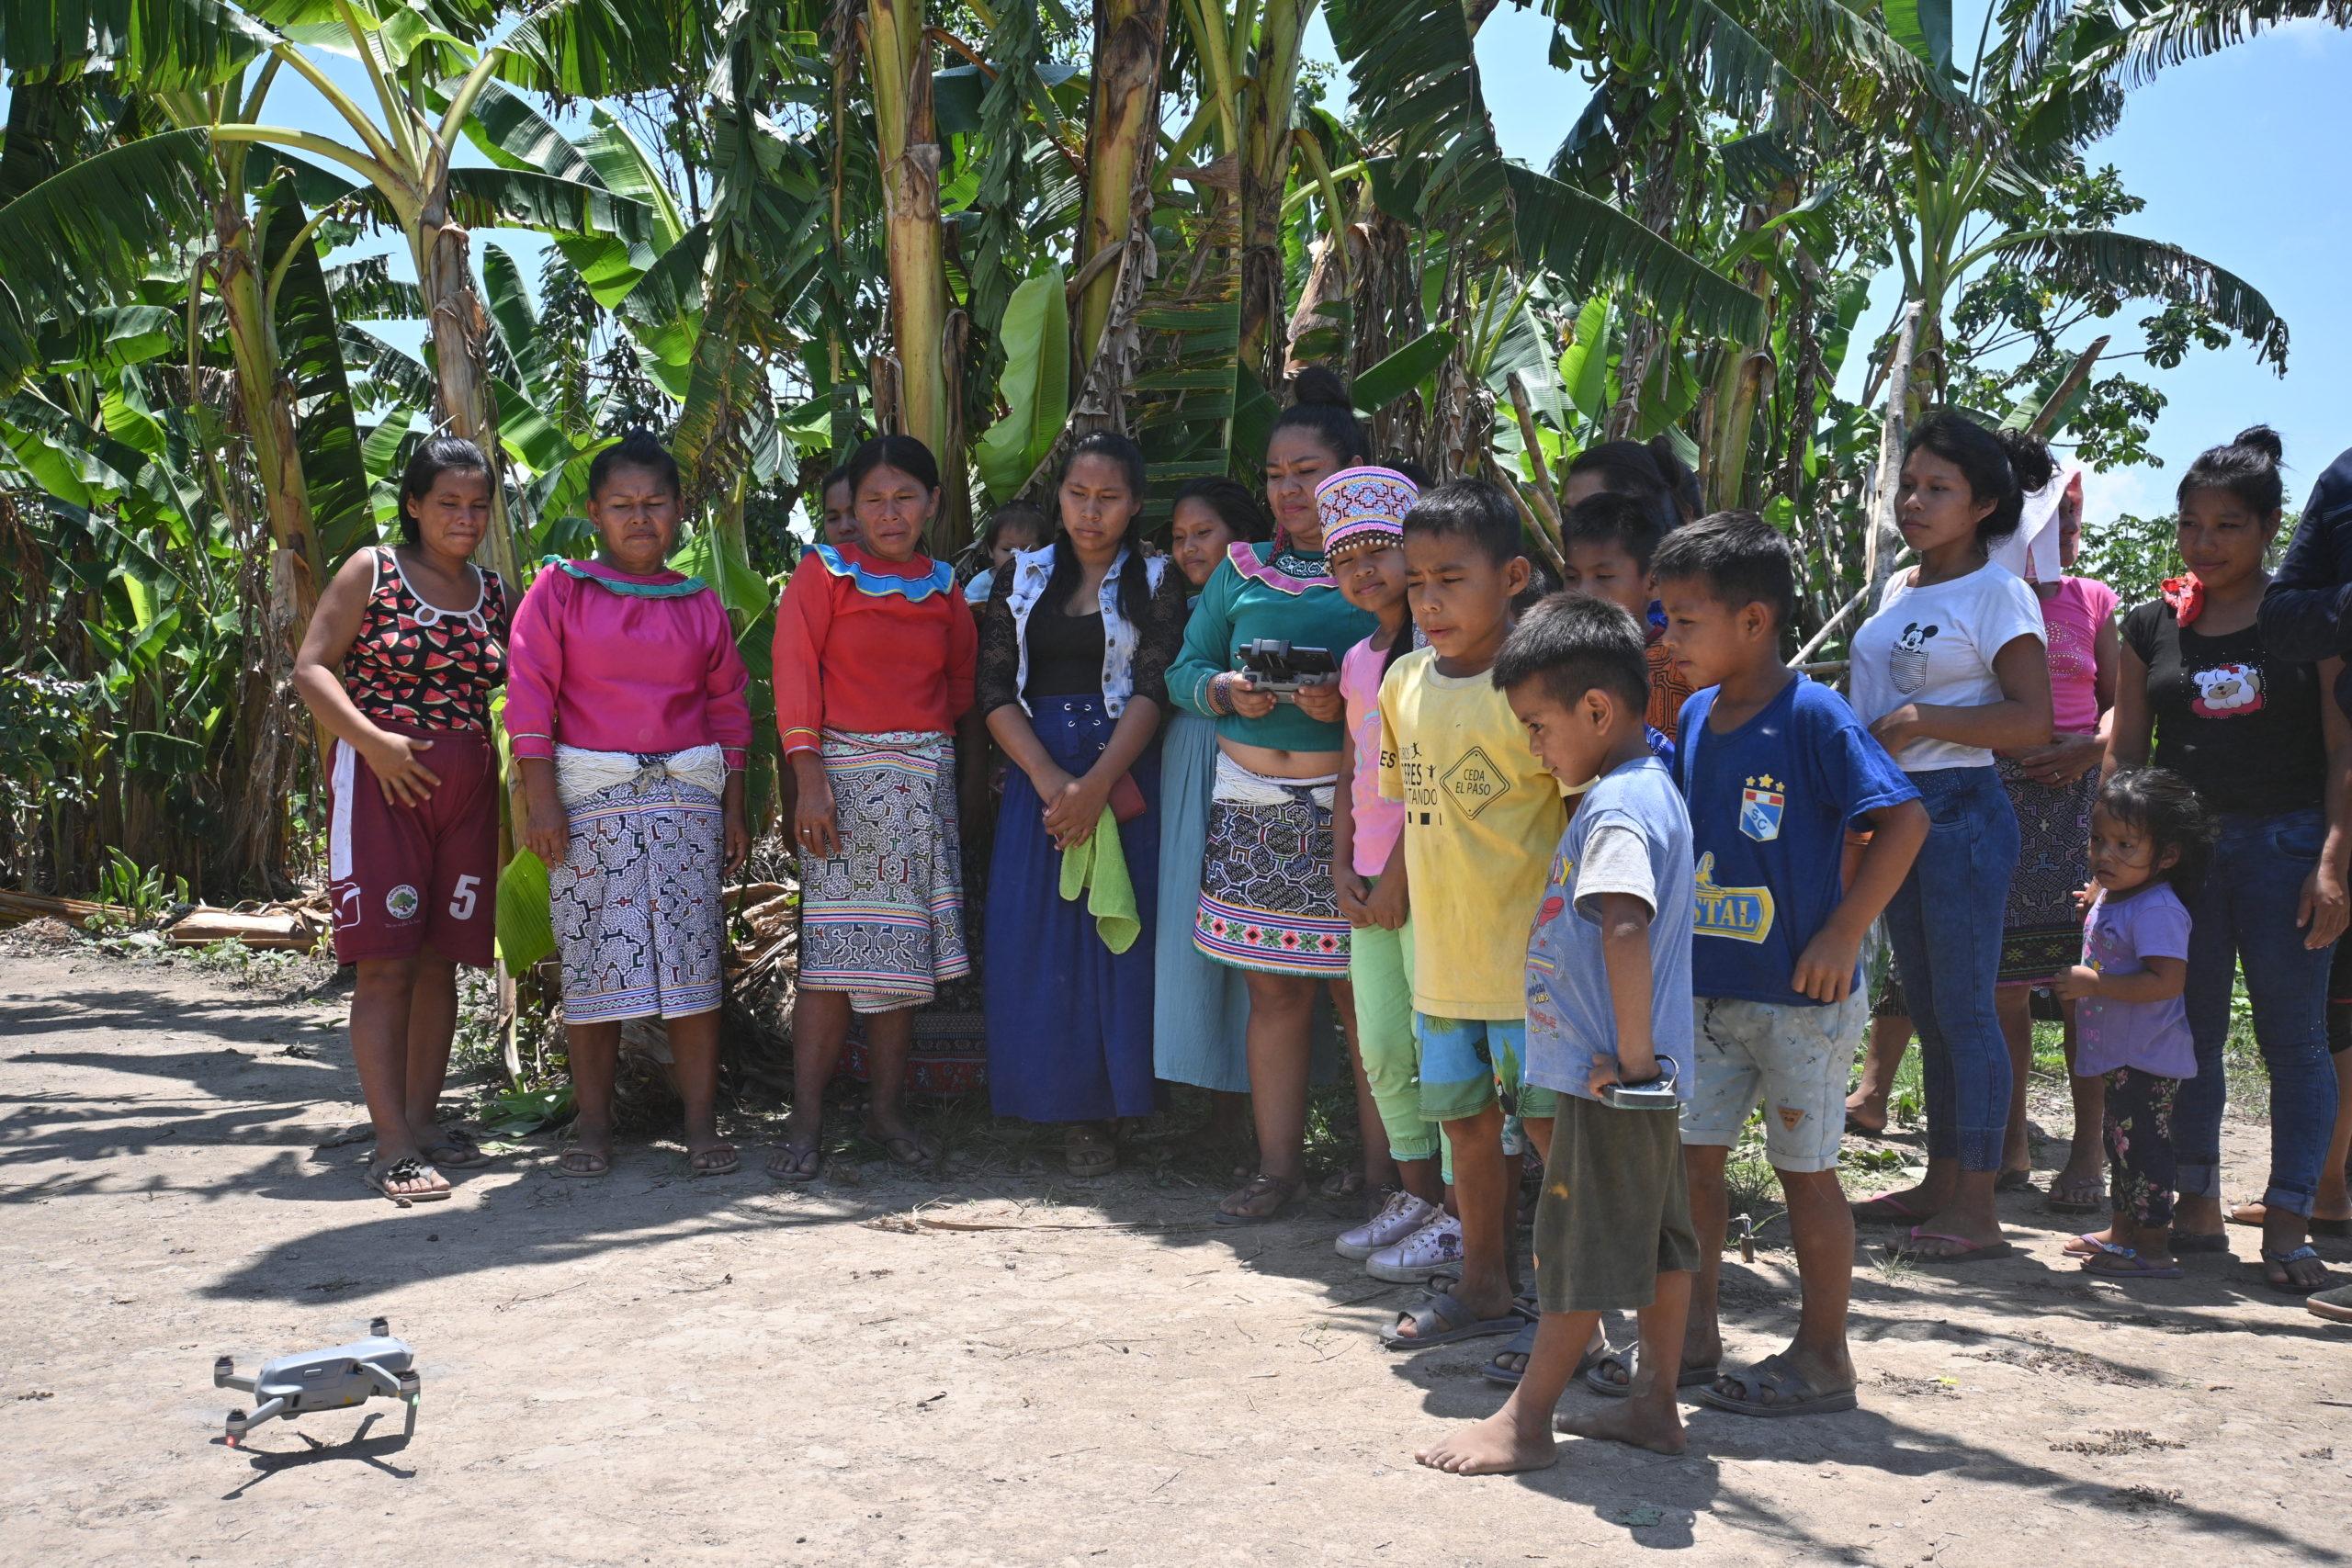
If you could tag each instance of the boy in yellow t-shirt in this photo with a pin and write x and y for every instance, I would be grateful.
(1481, 817)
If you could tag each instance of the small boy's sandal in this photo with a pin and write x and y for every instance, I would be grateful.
(1596, 1379)
(1523, 1344)
(1792, 1394)
(1445, 1320)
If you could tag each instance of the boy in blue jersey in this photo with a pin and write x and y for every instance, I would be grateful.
(1782, 780)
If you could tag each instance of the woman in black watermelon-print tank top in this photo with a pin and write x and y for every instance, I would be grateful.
(399, 663)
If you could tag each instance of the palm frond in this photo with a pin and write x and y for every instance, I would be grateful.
(94, 227)
(1417, 95)
(366, 290)
(600, 49)
(513, 135)
(2095, 262)
(162, 45)
(2189, 30)
(521, 198)
(310, 349)
(1586, 242)
(400, 375)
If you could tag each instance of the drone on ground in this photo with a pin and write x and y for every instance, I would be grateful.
(325, 1380)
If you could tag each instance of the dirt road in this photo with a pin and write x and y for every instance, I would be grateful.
(655, 1370)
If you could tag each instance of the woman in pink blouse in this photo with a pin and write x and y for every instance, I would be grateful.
(625, 705)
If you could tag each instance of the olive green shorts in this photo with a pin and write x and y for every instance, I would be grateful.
(1615, 1212)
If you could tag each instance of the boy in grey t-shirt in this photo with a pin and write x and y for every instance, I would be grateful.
(1609, 1003)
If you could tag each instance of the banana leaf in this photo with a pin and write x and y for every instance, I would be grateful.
(1035, 386)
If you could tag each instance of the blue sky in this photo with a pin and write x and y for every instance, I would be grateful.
(2238, 156)
(2240, 159)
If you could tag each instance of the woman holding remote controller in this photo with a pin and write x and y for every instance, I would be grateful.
(1266, 905)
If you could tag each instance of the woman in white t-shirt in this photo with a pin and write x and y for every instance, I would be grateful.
(1952, 667)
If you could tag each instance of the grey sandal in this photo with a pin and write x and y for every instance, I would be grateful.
(1441, 1321)
(1691, 1376)
(1792, 1392)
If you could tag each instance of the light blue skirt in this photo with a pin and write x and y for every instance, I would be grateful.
(1200, 1009)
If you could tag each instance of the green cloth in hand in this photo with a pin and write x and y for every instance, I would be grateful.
(1099, 866)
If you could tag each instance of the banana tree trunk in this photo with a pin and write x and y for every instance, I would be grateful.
(284, 590)
(266, 402)
(460, 330)
(1122, 134)
(898, 61)
(1265, 168)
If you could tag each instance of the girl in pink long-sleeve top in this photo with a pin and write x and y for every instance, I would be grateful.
(626, 714)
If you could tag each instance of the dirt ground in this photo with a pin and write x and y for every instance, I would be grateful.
(655, 1370)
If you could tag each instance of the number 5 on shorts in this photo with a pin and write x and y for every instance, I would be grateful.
(461, 900)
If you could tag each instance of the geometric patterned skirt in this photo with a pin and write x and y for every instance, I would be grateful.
(636, 903)
(1266, 901)
(883, 919)
(2041, 932)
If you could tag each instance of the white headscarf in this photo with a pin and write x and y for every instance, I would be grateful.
(2032, 551)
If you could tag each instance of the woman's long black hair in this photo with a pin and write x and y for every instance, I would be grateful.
(1135, 581)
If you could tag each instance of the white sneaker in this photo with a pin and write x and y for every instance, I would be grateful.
(1403, 1215)
(1435, 1248)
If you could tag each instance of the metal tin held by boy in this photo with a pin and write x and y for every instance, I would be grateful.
(324, 1380)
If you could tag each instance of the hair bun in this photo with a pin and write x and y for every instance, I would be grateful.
(2263, 439)
(1320, 384)
(2030, 459)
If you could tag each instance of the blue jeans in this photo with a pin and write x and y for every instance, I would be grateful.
(1945, 924)
(2245, 915)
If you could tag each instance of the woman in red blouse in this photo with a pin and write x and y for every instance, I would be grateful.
(874, 665)
(401, 654)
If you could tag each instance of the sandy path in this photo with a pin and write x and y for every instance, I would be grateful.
(654, 1370)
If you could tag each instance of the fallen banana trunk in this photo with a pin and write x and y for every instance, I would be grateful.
(280, 929)
(286, 926)
(15, 906)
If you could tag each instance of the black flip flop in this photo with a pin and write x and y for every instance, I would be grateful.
(1690, 1377)
(1523, 1344)
(1792, 1392)
(2198, 1241)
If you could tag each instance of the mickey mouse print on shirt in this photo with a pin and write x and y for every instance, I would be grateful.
(1908, 662)
(2227, 690)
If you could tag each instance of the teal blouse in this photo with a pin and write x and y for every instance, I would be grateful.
(1256, 592)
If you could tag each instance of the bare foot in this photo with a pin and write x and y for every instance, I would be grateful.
(1633, 1421)
(1492, 1447)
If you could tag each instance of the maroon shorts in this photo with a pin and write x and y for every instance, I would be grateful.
(404, 878)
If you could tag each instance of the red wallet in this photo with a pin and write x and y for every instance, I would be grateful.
(1127, 800)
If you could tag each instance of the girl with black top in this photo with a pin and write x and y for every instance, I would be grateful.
(2271, 761)
(1074, 652)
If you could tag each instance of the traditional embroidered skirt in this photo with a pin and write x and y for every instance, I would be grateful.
(2041, 932)
(1267, 902)
(884, 918)
(636, 902)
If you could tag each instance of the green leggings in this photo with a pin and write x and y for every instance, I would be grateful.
(1380, 967)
